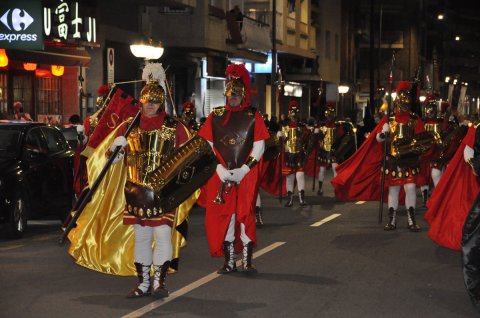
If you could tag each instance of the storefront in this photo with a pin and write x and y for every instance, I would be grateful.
(43, 55)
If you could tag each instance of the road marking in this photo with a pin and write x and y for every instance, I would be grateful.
(11, 247)
(202, 281)
(44, 222)
(360, 202)
(45, 237)
(325, 220)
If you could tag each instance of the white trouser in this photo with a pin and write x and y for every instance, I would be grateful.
(410, 196)
(300, 176)
(321, 171)
(162, 251)
(436, 175)
(259, 200)
(230, 237)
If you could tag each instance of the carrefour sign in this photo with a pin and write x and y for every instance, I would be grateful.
(24, 23)
(21, 24)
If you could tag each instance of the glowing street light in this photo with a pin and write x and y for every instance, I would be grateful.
(147, 50)
(342, 90)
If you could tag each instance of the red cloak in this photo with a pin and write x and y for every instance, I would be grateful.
(358, 178)
(452, 199)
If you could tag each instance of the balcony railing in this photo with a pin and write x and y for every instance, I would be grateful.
(249, 33)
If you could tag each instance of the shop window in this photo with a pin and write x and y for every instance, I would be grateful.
(49, 95)
(22, 86)
(3, 93)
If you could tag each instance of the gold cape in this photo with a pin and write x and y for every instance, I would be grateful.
(101, 241)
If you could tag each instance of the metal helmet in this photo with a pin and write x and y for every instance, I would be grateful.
(330, 110)
(404, 98)
(153, 93)
(430, 106)
(293, 109)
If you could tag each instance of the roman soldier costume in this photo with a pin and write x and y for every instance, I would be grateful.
(402, 164)
(433, 163)
(237, 135)
(359, 177)
(147, 147)
(294, 136)
(335, 142)
(188, 117)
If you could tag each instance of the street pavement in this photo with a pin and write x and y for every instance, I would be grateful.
(329, 259)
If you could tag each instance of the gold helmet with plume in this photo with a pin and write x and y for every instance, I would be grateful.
(154, 90)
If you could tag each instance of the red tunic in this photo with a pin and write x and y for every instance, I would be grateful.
(181, 136)
(240, 200)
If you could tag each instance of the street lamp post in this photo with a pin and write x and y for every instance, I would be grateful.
(342, 90)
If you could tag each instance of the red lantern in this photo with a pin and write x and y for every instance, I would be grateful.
(58, 70)
(30, 66)
(3, 58)
(42, 73)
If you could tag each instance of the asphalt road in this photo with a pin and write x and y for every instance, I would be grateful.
(343, 266)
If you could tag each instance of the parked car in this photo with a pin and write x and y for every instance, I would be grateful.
(70, 133)
(36, 173)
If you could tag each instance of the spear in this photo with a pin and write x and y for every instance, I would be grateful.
(384, 158)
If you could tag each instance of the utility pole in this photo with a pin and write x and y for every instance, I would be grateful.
(372, 58)
(273, 81)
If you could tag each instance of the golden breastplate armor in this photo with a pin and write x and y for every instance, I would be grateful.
(326, 142)
(293, 139)
(400, 134)
(147, 150)
(434, 127)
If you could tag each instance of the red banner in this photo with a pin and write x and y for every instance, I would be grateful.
(120, 107)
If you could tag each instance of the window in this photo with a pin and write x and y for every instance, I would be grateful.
(33, 141)
(55, 140)
(9, 142)
(22, 91)
(49, 95)
(327, 45)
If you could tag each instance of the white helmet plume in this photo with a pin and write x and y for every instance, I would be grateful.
(154, 72)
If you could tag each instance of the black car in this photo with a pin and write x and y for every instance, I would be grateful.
(36, 173)
(70, 133)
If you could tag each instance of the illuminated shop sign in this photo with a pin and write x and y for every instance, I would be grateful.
(65, 22)
(23, 23)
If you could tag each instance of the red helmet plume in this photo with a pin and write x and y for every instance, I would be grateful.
(103, 90)
(403, 86)
(293, 106)
(238, 76)
(187, 105)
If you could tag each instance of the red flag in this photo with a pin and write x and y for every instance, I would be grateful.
(120, 107)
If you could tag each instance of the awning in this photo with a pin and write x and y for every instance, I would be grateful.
(52, 56)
